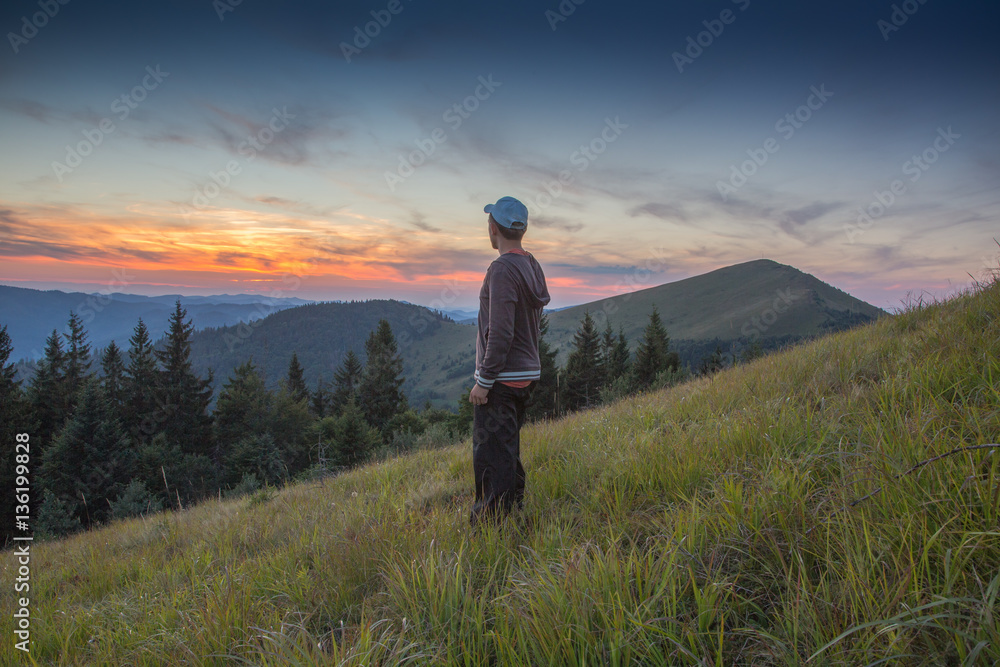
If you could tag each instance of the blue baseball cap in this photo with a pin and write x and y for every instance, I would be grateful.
(509, 212)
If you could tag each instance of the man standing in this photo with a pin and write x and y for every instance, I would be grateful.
(507, 363)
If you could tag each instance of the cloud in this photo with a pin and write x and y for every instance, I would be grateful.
(238, 258)
(306, 135)
(34, 110)
(790, 221)
(419, 221)
(296, 206)
(660, 210)
(801, 216)
(595, 269)
(49, 115)
(553, 222)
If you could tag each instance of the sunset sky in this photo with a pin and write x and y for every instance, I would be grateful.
(195, 147)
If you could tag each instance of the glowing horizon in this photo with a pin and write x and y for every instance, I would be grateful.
(255, 155)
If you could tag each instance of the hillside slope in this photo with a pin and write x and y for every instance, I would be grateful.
(760, 299)
(751, 518)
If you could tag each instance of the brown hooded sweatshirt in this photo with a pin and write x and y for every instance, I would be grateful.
(510, 307)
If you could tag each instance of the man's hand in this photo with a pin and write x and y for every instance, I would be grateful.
(478, 395)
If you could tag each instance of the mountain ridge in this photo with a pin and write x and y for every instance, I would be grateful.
(761, 301)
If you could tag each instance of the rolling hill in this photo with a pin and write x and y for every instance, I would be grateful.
(833, 504)
(758, 300)
(438, 354)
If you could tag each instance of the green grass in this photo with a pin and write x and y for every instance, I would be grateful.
(707, 524)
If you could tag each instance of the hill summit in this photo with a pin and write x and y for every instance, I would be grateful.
(760, 300)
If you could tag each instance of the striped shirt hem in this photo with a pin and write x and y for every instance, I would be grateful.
(507, 375)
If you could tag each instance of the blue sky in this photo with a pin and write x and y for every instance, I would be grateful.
(240, 151)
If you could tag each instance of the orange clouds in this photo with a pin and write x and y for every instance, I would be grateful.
(232, 245)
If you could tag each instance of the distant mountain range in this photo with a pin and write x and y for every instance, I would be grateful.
(31, 315)
(756, 302)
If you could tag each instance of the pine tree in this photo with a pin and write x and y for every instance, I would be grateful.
(583, 372)
(91, 461)
(77, 358)
(47, 393)
(346, 382)
(135, 500)
(296, 380)
(56, 518)
(141, 416)
(113, 377)
(13, 420)
(653, 355)
(242, 410)
(607, 350)
(11, 397)
(172, 475)
(184, 397)
(289, 422)
(380, 391)
(542, 403)
(256, 455)
(7, 370)
(619, 362)
(354, 439)
(319, 399)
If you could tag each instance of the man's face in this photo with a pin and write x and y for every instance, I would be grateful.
(493, 232)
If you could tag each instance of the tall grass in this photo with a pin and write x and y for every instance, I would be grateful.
(715, 522)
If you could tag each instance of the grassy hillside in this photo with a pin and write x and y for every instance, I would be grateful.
(706, 524)
(723, 304)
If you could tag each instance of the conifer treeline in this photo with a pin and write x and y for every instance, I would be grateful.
(600, 367)
(121, 433)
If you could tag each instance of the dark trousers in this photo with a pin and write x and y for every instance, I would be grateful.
(496, 451)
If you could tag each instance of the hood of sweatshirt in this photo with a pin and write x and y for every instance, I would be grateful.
(533, 279)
